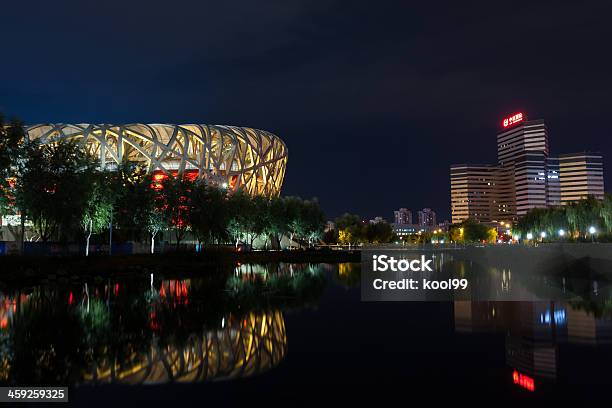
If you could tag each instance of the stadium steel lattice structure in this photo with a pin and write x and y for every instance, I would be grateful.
(235, 157)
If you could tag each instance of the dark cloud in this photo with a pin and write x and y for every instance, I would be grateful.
(374, 99)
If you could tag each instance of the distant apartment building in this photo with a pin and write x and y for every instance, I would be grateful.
(524, 178)
(403, 216)
(377, 220)
(427, 218)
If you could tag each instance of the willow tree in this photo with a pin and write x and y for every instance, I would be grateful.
(606, 212)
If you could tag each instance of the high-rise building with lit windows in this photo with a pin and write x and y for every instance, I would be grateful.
(581, 175)
(524, 178)
(514, 140)
(522, 148)
(472, 188)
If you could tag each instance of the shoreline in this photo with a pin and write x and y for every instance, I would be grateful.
(24, 270)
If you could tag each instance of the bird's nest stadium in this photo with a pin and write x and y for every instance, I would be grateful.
(234, 157)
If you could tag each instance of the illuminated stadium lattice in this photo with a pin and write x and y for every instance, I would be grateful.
(235, 157)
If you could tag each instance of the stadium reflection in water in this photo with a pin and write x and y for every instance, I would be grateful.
(138, 332)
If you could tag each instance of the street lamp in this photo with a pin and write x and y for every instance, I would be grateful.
(529, 236)
(592, 231)
(561, 232)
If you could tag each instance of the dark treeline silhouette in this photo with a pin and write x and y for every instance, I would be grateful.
(350, 229)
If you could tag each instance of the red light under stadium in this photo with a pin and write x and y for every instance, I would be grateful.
(511, 120)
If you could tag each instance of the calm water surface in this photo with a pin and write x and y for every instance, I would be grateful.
(295, 334)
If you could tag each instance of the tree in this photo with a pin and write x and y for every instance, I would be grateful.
(576, 217)
(492, 235)
(313, 220)
(242, 211)
(138, 204)
(294, 221)
(347, 220)
(379, 232)
(260, 222)
(148, 204)
(350, 229)
(11, 157)
(277, 220)
(97, 211)
(55, 187)
(456, 233)
(345, 237)
(175, 197)
(470, 231)
(209, 213)
(606, 212)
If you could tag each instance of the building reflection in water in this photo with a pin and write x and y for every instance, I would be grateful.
(538, 334)
(534, 331)
(141, 332)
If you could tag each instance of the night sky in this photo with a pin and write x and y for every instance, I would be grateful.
(375, 99)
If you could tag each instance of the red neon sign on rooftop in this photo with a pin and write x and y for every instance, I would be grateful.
(511, 120)
(523, 381)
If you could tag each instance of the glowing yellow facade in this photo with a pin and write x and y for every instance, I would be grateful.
(236, 157)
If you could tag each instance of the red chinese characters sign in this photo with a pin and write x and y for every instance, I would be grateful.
(523, 381)
(511, 120)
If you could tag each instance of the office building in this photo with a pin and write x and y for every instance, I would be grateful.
(522, 148)
(553, 183)
(472, 186)
(524, 178)
(581, 175)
